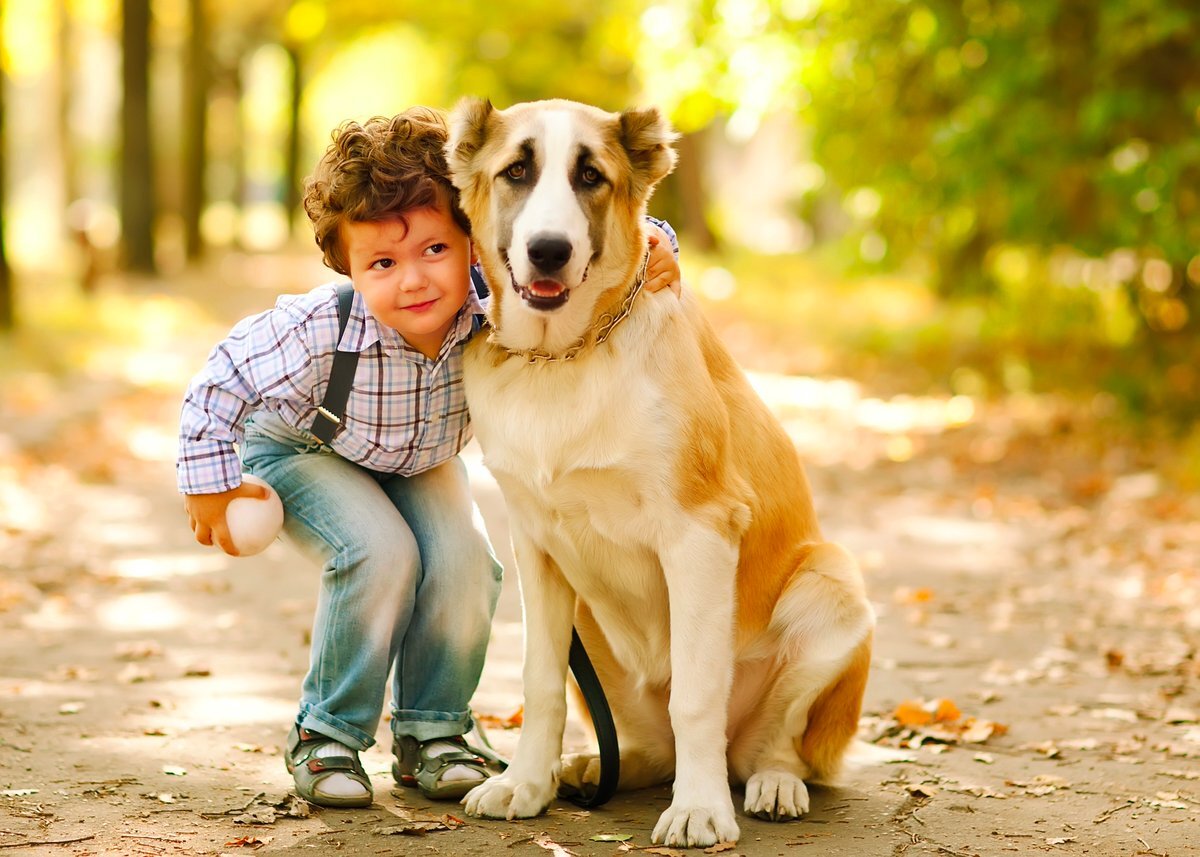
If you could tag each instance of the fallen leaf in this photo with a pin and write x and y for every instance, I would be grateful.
(666, 852)
(133, 674)
(137, 650)
(70, 708)
(720, 846)
(419, 826)
(912, 713)
(1060, 840)
(946, 711)
(1044, 748)
(612, 837)
(249, 842)
(976, 731)
(18, 792)
(174, 770)
(545, 842)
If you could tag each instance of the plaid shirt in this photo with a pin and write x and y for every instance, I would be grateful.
(406, 413)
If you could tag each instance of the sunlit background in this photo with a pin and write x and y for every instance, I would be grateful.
(955, 243)
(972, 199)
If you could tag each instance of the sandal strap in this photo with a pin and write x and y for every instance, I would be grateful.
(437, 764)
(300, 750)
(329, 764)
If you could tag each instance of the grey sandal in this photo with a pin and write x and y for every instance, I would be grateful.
(415, 767)
(308, 770)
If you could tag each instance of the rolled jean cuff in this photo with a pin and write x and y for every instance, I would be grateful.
(317, 721)
(427, 725)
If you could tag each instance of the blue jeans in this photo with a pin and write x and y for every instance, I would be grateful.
(409, 584)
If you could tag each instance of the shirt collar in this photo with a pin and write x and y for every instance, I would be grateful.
(363, 331)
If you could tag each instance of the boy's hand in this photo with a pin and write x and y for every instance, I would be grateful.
(662, 271)
(207, 514)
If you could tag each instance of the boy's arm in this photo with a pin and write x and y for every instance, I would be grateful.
(666, 227)
(662, 270)
(266, 353)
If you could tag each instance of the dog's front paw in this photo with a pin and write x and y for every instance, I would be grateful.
(580, 770)
(696, 826)
(502, 797)
(776, 796)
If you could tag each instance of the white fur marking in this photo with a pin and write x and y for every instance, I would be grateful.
(552, 206)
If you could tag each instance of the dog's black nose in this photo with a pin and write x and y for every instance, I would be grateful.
(549, 252)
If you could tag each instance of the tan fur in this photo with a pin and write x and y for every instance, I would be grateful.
(647, 476)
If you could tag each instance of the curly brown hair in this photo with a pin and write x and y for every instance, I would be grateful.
(379, 169)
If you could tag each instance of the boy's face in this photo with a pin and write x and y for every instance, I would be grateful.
(414, 278)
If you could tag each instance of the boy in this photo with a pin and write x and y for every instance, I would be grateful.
(409, 578)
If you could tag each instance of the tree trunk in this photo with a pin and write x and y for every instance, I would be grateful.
(292, 177)
(137, 169)
(197, 81)
(66, 86)
(693, 196)
(8, 315)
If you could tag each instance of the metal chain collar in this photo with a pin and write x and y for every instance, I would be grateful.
(608, 323)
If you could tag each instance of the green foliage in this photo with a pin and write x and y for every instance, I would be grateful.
(1063, 122)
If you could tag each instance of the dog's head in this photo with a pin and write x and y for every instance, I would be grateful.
(555, 192)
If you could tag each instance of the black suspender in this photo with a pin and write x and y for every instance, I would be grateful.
(341, 376)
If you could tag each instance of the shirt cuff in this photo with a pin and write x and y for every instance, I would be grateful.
(208, 467)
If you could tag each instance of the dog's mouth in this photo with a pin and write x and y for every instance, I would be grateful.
(543, 294)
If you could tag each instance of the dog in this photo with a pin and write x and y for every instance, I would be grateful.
(655, 502)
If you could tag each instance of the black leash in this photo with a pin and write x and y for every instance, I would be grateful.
(341, 376)
(602, 720)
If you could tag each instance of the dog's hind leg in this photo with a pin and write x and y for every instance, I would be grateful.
(823, 626)
(643, 726)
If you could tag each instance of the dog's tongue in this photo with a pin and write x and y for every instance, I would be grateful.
(546, 288)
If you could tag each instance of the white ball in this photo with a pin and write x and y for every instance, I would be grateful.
(253, 523)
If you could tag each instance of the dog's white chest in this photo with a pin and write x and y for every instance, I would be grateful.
(539, 423)
(574, 460)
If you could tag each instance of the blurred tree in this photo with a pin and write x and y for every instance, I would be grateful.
(525, 49)
(136, 180)
(66, 58)
(7, 298)
(954, 127)
(197, 85)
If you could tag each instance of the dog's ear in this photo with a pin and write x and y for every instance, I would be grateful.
(647, 139)
(468, 129)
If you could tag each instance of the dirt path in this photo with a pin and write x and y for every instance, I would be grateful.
(1034, 576)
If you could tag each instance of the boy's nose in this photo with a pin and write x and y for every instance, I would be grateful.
(412, 279)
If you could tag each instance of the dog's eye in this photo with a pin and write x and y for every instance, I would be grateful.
(516, 171)
(590, 176)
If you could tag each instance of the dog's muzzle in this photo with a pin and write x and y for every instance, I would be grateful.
(548, 254)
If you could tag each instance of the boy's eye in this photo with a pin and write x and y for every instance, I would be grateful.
(383, 264)
(435, 249)
(591, 176)
(516, 171)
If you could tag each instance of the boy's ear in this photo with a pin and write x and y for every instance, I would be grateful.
(647, 139)
(468, 129)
